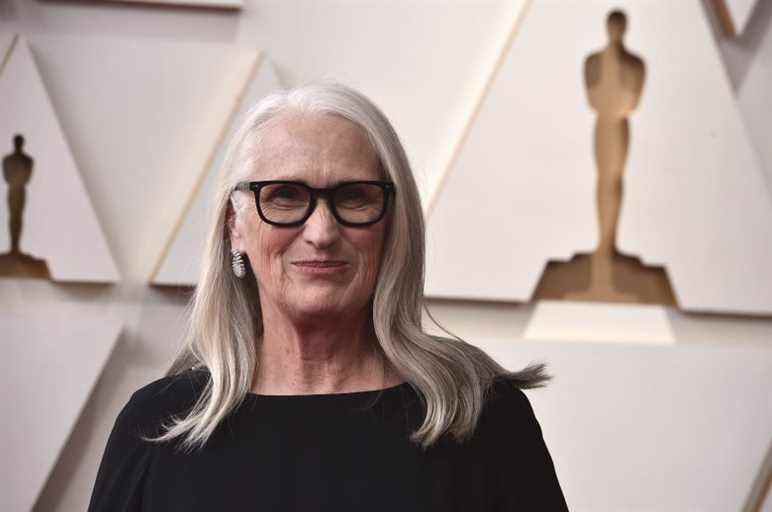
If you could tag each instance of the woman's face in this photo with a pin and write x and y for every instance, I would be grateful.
(320, 150)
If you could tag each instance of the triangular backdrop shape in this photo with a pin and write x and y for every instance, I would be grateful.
(181, 260)
(54, 356)
(694, 196)
(60, 225)
(6, 45)
(734, 14)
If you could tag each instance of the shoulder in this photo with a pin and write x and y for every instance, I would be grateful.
(126, 458)
(524, 476)
(156, 401)
(507, 415)
(171, 389)
(592, 59)
(504, 396)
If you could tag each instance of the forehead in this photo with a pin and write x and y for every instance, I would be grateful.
(320, 149)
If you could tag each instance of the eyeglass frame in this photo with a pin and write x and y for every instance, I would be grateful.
(327, 193)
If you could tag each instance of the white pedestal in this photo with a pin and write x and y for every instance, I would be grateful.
(598, 321)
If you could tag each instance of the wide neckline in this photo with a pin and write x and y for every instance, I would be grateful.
(330, 396)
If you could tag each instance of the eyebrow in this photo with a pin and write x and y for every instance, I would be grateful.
(333, 184)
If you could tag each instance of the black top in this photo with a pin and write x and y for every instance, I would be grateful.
(325, 453)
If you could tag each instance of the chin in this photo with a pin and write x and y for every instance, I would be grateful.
(319, 300)
(323, 303)
(318, 310)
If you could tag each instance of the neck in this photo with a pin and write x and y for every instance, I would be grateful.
(333, 355)
(616, 47)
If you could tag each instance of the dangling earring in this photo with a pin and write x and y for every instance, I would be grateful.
(238, 264)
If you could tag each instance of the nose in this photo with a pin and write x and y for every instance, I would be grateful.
(321, 228)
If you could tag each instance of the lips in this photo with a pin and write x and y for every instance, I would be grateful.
(320, 264)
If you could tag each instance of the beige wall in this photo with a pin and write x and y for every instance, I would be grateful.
(441, 78)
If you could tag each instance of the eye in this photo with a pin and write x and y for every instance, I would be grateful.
(360, 203)
(284, 195)
(286, 192)
(352, 195)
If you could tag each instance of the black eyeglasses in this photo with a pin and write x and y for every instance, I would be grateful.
(291, 203)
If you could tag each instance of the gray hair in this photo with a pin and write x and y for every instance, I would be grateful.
(451, 376)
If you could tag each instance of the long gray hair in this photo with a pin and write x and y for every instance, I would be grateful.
(450, 376)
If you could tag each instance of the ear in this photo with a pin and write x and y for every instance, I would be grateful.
(231, 227)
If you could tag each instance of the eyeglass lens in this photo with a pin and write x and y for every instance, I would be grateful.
(355, 202)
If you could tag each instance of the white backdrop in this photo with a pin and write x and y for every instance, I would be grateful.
(424, 64)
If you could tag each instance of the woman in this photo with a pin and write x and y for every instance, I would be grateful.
(306, 381)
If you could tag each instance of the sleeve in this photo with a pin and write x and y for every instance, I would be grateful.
(122, 471)
(523, 473)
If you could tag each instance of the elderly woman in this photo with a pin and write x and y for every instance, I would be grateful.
(306, 381)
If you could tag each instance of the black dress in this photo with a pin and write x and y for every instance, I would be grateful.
(334, 452)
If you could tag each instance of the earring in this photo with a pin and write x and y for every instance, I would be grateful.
(238, 264)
